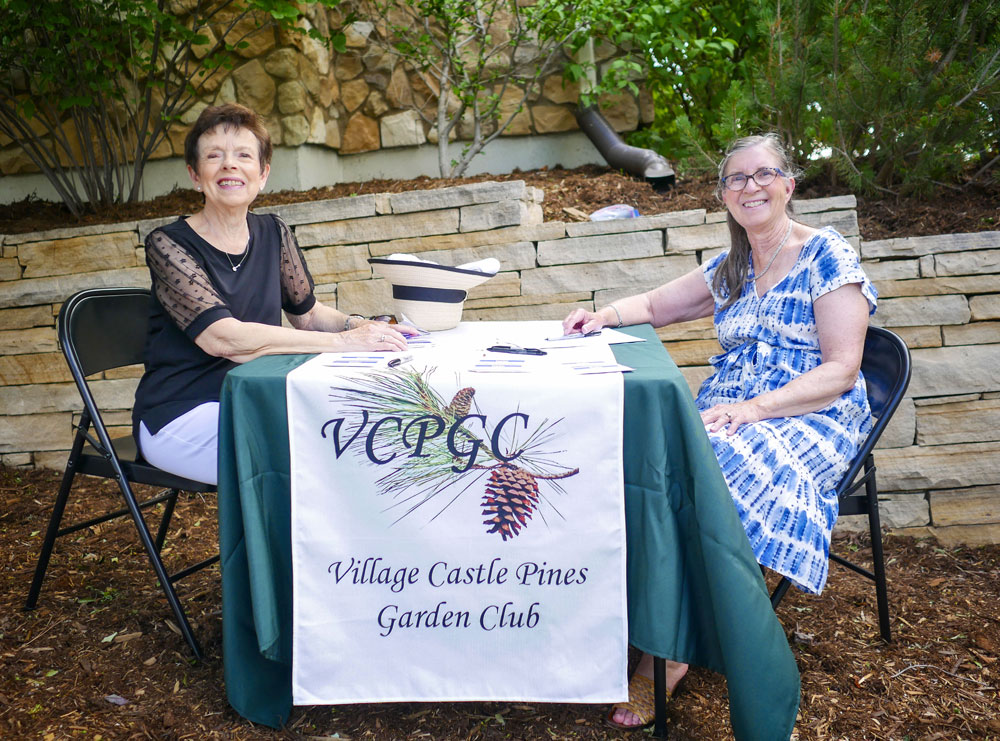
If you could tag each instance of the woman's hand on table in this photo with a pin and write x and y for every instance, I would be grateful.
(732, 416)
(582, 321)
(378, 336)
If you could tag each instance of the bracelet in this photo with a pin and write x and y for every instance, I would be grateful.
(617, 314)
(347, 321)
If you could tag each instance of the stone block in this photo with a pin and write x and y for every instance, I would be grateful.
(575, 299)
(624, 246)
(64, 397)
(692, 352)
(971, 536)
(31, 316)
(927, 266)
(31, 432)
(144, 227)
(834, 203)
(17, 370)
(533, 312)
(404, 129)
(959, 369)
(456, 196)
(17, 460)
(613, 274)
(551, 230)
(938, 467)
(368, 297)
(691, 238)
(295, 130)
(895, 511)
(937, 286)
(78, 255)
(485, 216)
(338, 263)
(716, 217)
(10, 268)
(550, 119)
(845, 222)
(506, 284)
(32, 292)
(254, 87)
(919, 311)
(968, 263)
(694, 217)
(934, 245)
(971, 506)
(125, 371)
(902, 428)
(515, 256)
(699, 329)
(915, 337)
(976, 333)
(21, 341)
(961, 422)
(985, 307)
(360, 135)
(695, 376)
(316, 212)
(881, 273)
(378, 228)
(52, 460)
(69, 232)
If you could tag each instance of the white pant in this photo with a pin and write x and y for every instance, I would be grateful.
(188, 446)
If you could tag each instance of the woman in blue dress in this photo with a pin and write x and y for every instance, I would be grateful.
(786, 407)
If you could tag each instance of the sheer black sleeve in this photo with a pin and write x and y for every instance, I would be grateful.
(180, 283)
(296, 282)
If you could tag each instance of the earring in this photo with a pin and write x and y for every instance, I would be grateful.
(198, 188)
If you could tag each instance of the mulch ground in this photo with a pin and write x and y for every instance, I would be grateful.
(972, 208)
(100, 659)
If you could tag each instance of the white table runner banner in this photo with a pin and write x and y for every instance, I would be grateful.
(457, 535)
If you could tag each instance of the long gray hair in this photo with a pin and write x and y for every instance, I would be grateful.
(731, 275)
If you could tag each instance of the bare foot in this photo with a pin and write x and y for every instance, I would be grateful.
(675, 673)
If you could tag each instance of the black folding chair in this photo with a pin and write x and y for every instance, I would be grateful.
(101, 329)
(886, 368)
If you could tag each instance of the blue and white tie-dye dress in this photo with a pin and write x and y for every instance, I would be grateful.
(782, 472)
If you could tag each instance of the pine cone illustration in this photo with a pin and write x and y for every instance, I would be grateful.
(511, 495)
(461, 403)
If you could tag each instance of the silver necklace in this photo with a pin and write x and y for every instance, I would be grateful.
(246, 252)
(781, 244)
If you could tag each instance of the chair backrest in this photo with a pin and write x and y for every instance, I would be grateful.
(103, 328)
(885, 365)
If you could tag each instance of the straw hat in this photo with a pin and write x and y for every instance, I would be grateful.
(430, 295)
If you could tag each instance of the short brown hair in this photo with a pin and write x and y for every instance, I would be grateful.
(229, 116)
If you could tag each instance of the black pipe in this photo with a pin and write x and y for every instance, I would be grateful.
(644, 163)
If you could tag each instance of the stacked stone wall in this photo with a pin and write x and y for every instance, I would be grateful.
(361, 100)
(939, 460)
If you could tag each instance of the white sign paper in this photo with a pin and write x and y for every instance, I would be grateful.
(457, 535)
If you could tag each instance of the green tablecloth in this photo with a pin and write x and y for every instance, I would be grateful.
(695, 592)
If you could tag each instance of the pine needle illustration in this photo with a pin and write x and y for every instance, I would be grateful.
(425, 465)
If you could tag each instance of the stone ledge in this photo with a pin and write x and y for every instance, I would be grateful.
(694, 217)
(933, 245)
(314, 212)
(458, 195)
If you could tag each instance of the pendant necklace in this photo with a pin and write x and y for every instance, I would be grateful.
(246, 252)
(781, 244)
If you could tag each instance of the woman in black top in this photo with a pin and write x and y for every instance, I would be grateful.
(220, 280)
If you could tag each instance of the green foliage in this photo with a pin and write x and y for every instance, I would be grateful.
(904, 93)
(89, 88)
(690, 54)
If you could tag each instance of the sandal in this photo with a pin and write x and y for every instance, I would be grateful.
(641, 703)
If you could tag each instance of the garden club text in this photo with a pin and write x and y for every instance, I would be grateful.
(441, 574)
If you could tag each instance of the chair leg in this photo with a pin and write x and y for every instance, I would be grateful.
(52, 532)
(878, 559)
(660, 697)
(779, 592)
(168, 511)
(157, 564)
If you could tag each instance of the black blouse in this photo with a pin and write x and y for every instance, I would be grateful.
(194, 285)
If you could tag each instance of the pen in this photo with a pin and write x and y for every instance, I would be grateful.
(401, 359)
(516, 350)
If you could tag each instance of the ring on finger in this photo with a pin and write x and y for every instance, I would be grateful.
(729, 416)
(382, 338)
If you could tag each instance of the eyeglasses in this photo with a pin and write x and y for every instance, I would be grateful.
(387, 318)
(763, 177)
